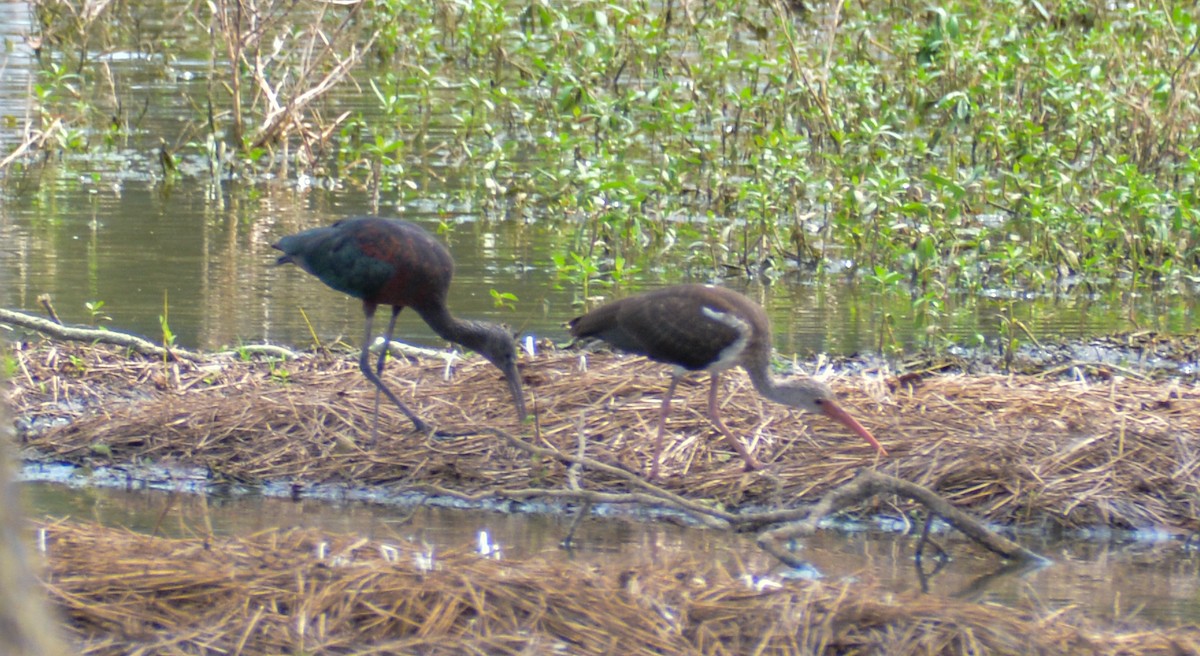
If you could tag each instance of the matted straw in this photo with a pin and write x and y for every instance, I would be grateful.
(1017, 450)
(306, 591)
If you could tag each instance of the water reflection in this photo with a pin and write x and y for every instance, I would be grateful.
(16, 69)
(1155, 581)
(195, 251)
(205, 254)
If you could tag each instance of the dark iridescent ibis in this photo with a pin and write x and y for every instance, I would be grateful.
(397, 263)
(703, 327)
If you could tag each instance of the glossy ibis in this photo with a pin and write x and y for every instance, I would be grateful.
(697, 327)
(397, 263)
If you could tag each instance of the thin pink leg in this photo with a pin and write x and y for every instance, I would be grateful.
(662, 426)
(714, 412)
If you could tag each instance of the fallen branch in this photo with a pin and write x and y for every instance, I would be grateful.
(145, 347)
(94, 336)
(402, 350)
(869, 483)
(711, 517)
(269, 350)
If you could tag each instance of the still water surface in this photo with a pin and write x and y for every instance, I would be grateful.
(1156, 581)
(208, 261)
(196, 253)
(105, 226)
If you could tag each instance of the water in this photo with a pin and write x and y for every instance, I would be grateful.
(195, 255)
(1151, 580)
(207, 263)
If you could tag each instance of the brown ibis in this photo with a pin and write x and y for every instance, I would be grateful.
(393, 262)
(704, 327)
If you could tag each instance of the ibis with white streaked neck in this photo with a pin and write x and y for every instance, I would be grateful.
(709, 328)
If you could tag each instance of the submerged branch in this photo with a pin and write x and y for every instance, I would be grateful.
(711, 517)
(869, 483)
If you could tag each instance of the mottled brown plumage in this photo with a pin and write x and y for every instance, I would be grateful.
(704, 327)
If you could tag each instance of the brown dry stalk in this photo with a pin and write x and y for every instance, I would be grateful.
(1010, 450)
(306, 591)
(868, 484)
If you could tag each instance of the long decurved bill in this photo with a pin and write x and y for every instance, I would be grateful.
(836, 413)
(514, 385)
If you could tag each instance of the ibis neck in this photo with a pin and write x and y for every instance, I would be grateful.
(465, 333)
(765, 383)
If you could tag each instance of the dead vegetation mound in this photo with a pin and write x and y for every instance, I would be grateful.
(1016, 450)
(305, 591)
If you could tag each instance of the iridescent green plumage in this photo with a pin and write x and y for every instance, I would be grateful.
(393, 262)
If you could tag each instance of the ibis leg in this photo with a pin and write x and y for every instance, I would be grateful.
(365, 364)
(714, 412)
(662, 426)
(383, 353)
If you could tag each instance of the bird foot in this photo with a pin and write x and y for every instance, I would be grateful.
(754, 465)
(438, 434)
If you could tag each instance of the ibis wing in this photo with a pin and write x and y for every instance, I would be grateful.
(678, 330)
(345, 265)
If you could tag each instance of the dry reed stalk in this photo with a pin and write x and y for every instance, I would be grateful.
(1017, 450)
(294, 591)
(27, 625)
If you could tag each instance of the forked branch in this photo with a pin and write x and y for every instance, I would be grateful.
(867, 484)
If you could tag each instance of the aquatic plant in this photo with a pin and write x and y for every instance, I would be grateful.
(964, 146)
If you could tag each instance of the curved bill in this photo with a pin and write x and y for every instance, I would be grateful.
(836, 413)
(514, 385)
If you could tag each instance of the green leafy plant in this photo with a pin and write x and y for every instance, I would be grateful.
(279, 373)
(96, 313)
(504, 299)
(579, 270)
(168, 337)
(8, 365)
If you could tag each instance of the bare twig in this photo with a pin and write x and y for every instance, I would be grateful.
(568, 542)
(925, 540)
(868, 483)
(709, 516)
(34, 138)
(581, 452)
(47, 304)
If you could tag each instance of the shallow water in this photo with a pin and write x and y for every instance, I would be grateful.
(195, 253)
(196, 256)
(145, 253)
(1156, 580)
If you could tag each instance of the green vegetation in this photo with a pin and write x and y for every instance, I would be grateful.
(9, 367)
(923, 150)
(504, 299)
(168, 337)
(95, 310)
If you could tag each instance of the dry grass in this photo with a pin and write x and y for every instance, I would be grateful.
(304, 591)
(1017, 450)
